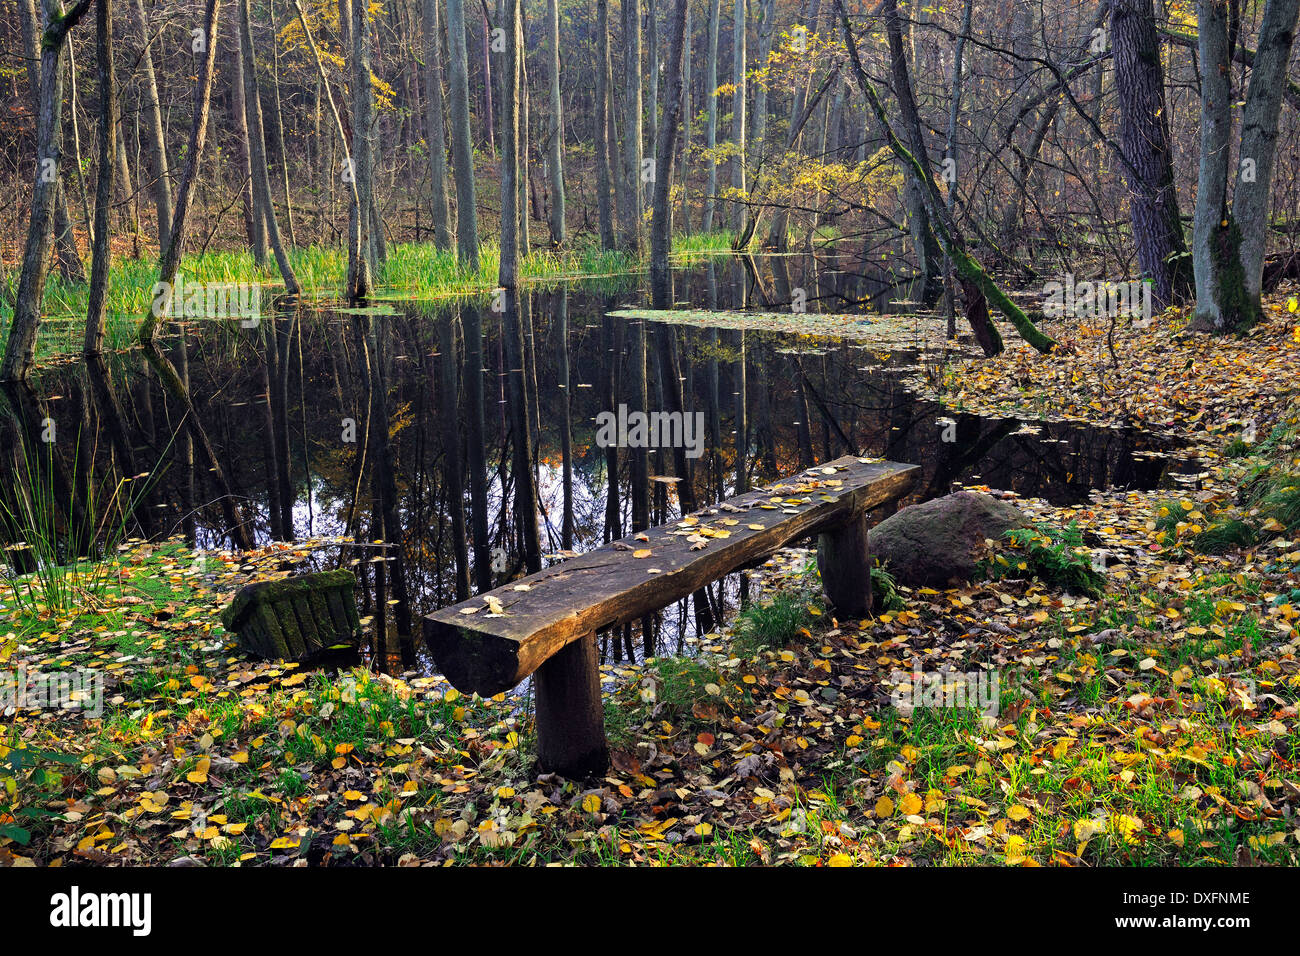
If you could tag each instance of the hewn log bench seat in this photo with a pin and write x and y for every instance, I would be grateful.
(547, 622)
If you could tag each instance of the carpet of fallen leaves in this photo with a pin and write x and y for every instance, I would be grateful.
(1160, 378)
(1153, 724)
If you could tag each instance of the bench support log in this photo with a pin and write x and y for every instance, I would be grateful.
(570, 715)
(844, 560)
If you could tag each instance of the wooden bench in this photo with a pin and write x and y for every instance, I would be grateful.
(546, 623)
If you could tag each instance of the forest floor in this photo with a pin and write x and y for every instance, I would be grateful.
(1151, 722)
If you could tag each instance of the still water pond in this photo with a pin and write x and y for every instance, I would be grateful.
(392, 428)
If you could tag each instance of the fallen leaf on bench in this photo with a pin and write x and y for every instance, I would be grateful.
(470, 610)
(642, 553)
(642, 536)
(522, 587)
(494, 604)
(756, 527)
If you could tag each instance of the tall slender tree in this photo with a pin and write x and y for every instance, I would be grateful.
(435, 134)
(461, 145)
(555, 133)
(257, 150)
(101, 256)
(21, 346)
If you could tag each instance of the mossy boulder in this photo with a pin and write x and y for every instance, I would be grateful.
(310, 619)
(942, 541)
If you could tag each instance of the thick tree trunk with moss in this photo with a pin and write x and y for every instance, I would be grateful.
(1228, 244)
(967, 266)
(924, 247)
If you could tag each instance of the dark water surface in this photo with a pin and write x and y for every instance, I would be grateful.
(285, 407)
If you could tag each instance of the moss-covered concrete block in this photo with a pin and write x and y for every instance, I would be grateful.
(309, 619)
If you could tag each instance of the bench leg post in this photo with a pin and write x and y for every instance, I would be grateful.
(570, 714)
(844, 561)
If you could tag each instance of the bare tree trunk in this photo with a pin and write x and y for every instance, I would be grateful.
(362, 133)
(739, 210)
(21, 347)
(632, 127)
(686, 123)
(461, 144)
(711, 132)
(766, 36)
(652, 67)
(358, 280)
(1259, 132)
(555, 137)
(1144, 135)
(661, 222)
(508, 275)
(777, 235)
(604, 131)
(101, 257)
(254, 224)
(1228, 246)
(277, 124)
(257, 150)
(968, 268)
(153, 129)
(925, 248)
(435, 132)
